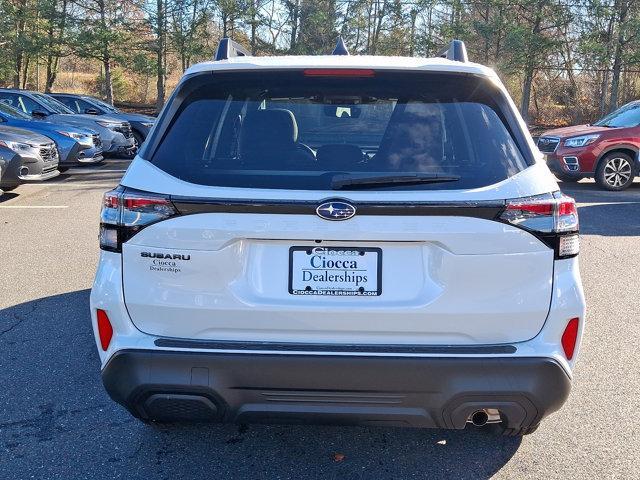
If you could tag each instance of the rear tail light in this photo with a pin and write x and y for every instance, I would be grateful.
(125, 212)
(570, 337)
(105, 330)
(551, 218)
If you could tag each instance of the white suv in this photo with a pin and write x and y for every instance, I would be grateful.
(348, 239)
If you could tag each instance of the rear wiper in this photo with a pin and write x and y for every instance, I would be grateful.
(339, 182)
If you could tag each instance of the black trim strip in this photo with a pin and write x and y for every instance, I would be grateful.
(337, 348)
(489, 210)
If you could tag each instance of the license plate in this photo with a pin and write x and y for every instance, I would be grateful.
(335, 271)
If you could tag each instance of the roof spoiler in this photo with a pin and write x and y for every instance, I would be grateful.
(227, 48)
(456, 50)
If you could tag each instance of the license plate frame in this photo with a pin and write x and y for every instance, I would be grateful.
(374, 291)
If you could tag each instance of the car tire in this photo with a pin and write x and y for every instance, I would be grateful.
(615, 171)
(63, 169)
(567, 178)
(139, 138)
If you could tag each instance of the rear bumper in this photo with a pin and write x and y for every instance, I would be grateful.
(299, 388)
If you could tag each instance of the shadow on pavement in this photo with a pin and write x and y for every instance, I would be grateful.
(57, 421)
(606, 213)
(8, 196)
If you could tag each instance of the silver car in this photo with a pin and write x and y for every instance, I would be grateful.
(116, 135)
(39, 153)
(10, 163)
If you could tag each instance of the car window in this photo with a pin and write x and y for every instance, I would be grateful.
(297, 131)
(10, 99)
(20, 102)
(104, 106)
(625, 117)
(7, 110)
(82, 105)
(69, 102)
(52, 104)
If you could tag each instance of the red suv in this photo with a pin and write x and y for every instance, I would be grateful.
(606, 150)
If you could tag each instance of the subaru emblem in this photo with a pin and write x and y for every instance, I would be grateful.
(336, 210)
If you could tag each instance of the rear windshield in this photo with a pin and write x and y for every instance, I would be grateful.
(302, 130)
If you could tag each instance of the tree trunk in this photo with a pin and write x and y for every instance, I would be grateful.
(53, 58)
(225, 20)
(617, 58)
(160, 56)
(526, 92)
(530, 67)
(25, 73)
(487, 42)
(412, 42)
(18, 70)
(106, 56)
(254, 25)
(295, 17)
(615, 78)
(381, 12)
(604, 85)
(19, 54)
(52, 73)
(108, 82)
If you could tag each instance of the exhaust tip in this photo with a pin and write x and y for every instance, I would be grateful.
(484, 416)
(479, 418)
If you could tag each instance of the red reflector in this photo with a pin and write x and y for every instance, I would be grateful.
(105, 330)
(111, 200)
(339, 72)
(535, 208)
(567, 207)
(569, 338)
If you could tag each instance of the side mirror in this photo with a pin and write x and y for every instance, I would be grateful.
(91, 111)
(39, 114)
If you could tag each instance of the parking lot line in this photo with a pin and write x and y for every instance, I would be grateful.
(35, 206)
(94, 170)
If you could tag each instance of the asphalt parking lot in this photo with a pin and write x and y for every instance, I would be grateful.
(56, 421)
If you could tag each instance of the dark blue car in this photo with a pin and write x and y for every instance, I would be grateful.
(75, 145)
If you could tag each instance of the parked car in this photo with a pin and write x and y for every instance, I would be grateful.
(116, 135)
(39, 153)
(10, 163)
(141, 124)
(415, 267)
(607, 150)
(76, 146)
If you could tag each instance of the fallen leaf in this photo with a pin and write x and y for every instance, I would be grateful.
(338, 457)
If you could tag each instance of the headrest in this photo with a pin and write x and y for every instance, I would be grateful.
(339, 155)
(268, 131)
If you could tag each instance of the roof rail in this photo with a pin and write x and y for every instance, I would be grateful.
(456, 50)
(227, 48)
(341, 48)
